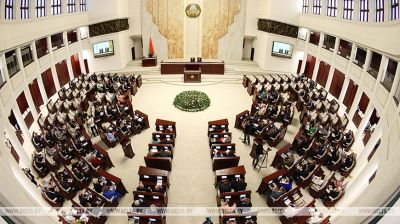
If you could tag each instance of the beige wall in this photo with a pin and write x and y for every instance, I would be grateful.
(197, 37)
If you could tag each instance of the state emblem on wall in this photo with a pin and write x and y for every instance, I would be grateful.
(193, 10)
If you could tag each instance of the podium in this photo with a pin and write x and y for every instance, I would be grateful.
(149, 62)
(192, 73)
(127, 148)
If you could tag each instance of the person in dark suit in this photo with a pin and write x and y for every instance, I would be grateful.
(224, 186)
(28, 173)
(239, 185)
(247, 128)
(259, 150)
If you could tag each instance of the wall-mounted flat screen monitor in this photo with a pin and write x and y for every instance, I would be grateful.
(282, 49)
(103, 49)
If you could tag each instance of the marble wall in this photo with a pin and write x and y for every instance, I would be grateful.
(217, 33)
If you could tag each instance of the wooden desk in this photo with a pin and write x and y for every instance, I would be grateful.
(239, 218)
(278, 155)
(229, 172)
(149, 198)
(232, 196)
(149, 62)
(225, 162)
(212, 68)
(165, 124)
(145, 118)
(240, 117)
(192, 76)
(267, 179)
(118, 182)
(149, 176)
(158, 162)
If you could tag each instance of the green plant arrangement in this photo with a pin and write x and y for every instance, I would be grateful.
(192, 101)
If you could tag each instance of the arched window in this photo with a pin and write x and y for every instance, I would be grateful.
(83, 5)
(394, 9)
(71, 6)
(348, 7)
(317, 7)
(24, 9)
(9, 7)
(332, 8)
(40, 8)
(305, 6)
(379, 13)
(55, 7)
(364, 10)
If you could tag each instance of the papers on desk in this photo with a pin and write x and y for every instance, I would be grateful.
(159, 182)
(153, 150)
(296, 196)
(287, 202)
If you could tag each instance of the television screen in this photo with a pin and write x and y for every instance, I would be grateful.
(103, 49)
(282, 49)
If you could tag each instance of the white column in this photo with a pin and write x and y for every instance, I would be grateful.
(5, 70)
(22, 124)
(340, 9)
(48, 10)
(31, 104)
(356, 11)
(55, 77)
(64, 7)
(324, 8)
(387, 11)
(382, 71)
(356, 101)
(364, 122)
(395, 85)
(330, 77)
(368, 59)
(370, 144)
(316, 68)
(344, 89)
(17, 9)
(24, 158)
(68, 59)
(20, 62)
(371, 13)
(82, 63)
(303, 65)
(32, 10)
(42, 89)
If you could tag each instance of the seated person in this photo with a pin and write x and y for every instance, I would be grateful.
(155, 140)
(239, 185)
(320, 149)
(333, 157)
(336, 134)
(244, 202)
(164, 153)
(96, 159)
(110, 136)
(347, 138)
(85, 198)
(285, 182)
(40, 162)
(309, 167)
(228, 207)
(52, 193)
(347, 162)
(224, 186)
(38, 140)
(289, 160)
(277, 192)
(111, 194)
